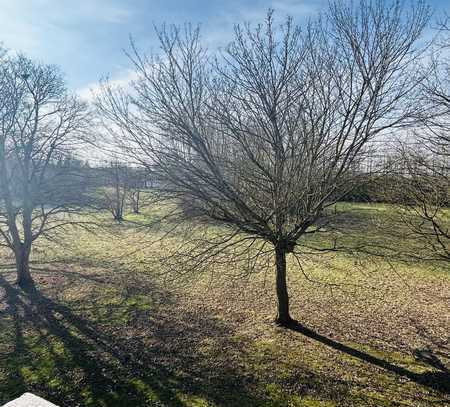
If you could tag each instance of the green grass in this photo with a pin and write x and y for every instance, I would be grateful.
(104, 328)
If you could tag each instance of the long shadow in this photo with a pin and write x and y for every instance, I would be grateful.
(118, 372)
(18, 342)
(436, 347)
(36, 314)
(437, 380)
(160, 362)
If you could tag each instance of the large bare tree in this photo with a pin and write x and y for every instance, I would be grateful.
(262, 137)
(40, 124)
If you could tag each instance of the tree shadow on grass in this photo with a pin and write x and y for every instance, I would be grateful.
(107, 371)
(86, 353)
(438, 379)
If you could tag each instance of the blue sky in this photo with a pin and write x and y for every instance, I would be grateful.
(86, 38)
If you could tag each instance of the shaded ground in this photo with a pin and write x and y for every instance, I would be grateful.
(122, 349)
(98, 332)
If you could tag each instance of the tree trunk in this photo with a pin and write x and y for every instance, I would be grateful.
(283, 317)
(24, 278)
(136, 202)
(118, 211)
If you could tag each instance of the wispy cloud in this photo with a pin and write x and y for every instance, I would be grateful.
(87, 37)
(104, 10)
(121, 79)
(298, 8)
(219, 30)
(117, 15)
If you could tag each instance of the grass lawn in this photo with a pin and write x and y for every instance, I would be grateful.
(103, 329)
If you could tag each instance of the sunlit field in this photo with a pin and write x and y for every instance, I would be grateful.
(105, 327)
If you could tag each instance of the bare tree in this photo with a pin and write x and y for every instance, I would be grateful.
(436, 97)
(39, 124)
(422, 191)
(136, 185)
(261, 138)
(418, 185)
(115, 189)
(135, 199)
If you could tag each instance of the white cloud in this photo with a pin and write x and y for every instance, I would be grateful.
(117, 15)
(122, 79)
(55, 31)
(103, 10)
(296, 8)
(219, 31)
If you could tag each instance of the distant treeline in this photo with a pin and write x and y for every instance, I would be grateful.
(390, 188)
